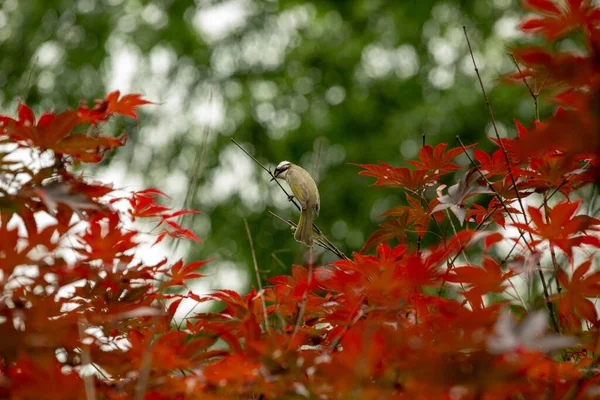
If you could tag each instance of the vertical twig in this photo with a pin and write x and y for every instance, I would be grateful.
(258, 282)
(533, 94)
(197, 170)
(86, 359)
(500, 143)
(511, 174)
(302, 305)
(146, 365)
(317, 160)
(552, 252)
(29, 82)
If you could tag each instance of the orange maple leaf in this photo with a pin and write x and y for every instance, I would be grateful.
(558, 21)
(125, 105)
(563, 229)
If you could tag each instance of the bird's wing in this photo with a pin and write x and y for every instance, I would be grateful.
(299, 193)
(294, 180)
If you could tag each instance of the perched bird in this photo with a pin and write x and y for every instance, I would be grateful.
(305, 191)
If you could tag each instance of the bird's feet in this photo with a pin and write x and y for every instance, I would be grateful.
(290, 197)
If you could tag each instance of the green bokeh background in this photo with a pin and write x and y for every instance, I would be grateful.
(320, 83)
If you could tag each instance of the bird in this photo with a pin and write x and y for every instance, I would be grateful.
(305, 190)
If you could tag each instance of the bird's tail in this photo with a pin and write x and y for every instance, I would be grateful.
(303, 232)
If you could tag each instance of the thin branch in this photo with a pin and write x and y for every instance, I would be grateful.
(146, 365)
(531, 92)
(552, 252)
(510, 172)
(260, 288)
(317, 160)
(289, 196)
(86, 359)
(29, 82)
(302, 305)
(197, 170)
(278, 260)
(320, 239)
(501, 144)
(360, 312)
(491, 187)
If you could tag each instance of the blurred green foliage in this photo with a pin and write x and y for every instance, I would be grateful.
(321, 83)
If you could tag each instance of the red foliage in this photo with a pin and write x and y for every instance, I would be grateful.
(82, 317)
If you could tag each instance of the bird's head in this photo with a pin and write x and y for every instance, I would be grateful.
(281, 170)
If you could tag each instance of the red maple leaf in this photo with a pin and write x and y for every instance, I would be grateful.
(435, 161)
(178, 273)
(418, 216)
(552, 171)
(563, 230)
(388, 176)
(125, 105)
(494, 210)
(492, 166)
(558, 21)
(390, 229)
(487, 279)
(112, 104)
(576, 290)
(55, 132)
(569, 132)
(557, 70)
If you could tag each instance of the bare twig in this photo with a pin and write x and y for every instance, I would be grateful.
(86, 359)
(500, 143)
(531, 92)
(491, 187)
(320, 240)
(552, 252)
(511, 174)
(260, 289)
(146, 365)
(277, 259)
(29, 82)
(196, 173)
(317, 160)
(359, 311)
(302, 305)
(270, 174)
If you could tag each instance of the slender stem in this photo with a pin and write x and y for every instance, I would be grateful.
(320, 239)
(360, 312)
(270, 173)
(511, 174)
(491, 187)
(317, 160)
(501, 144)
(146, 365)
(86, 359)
(552, 252)
(533, 94)
(258, 282)
(302, 305)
